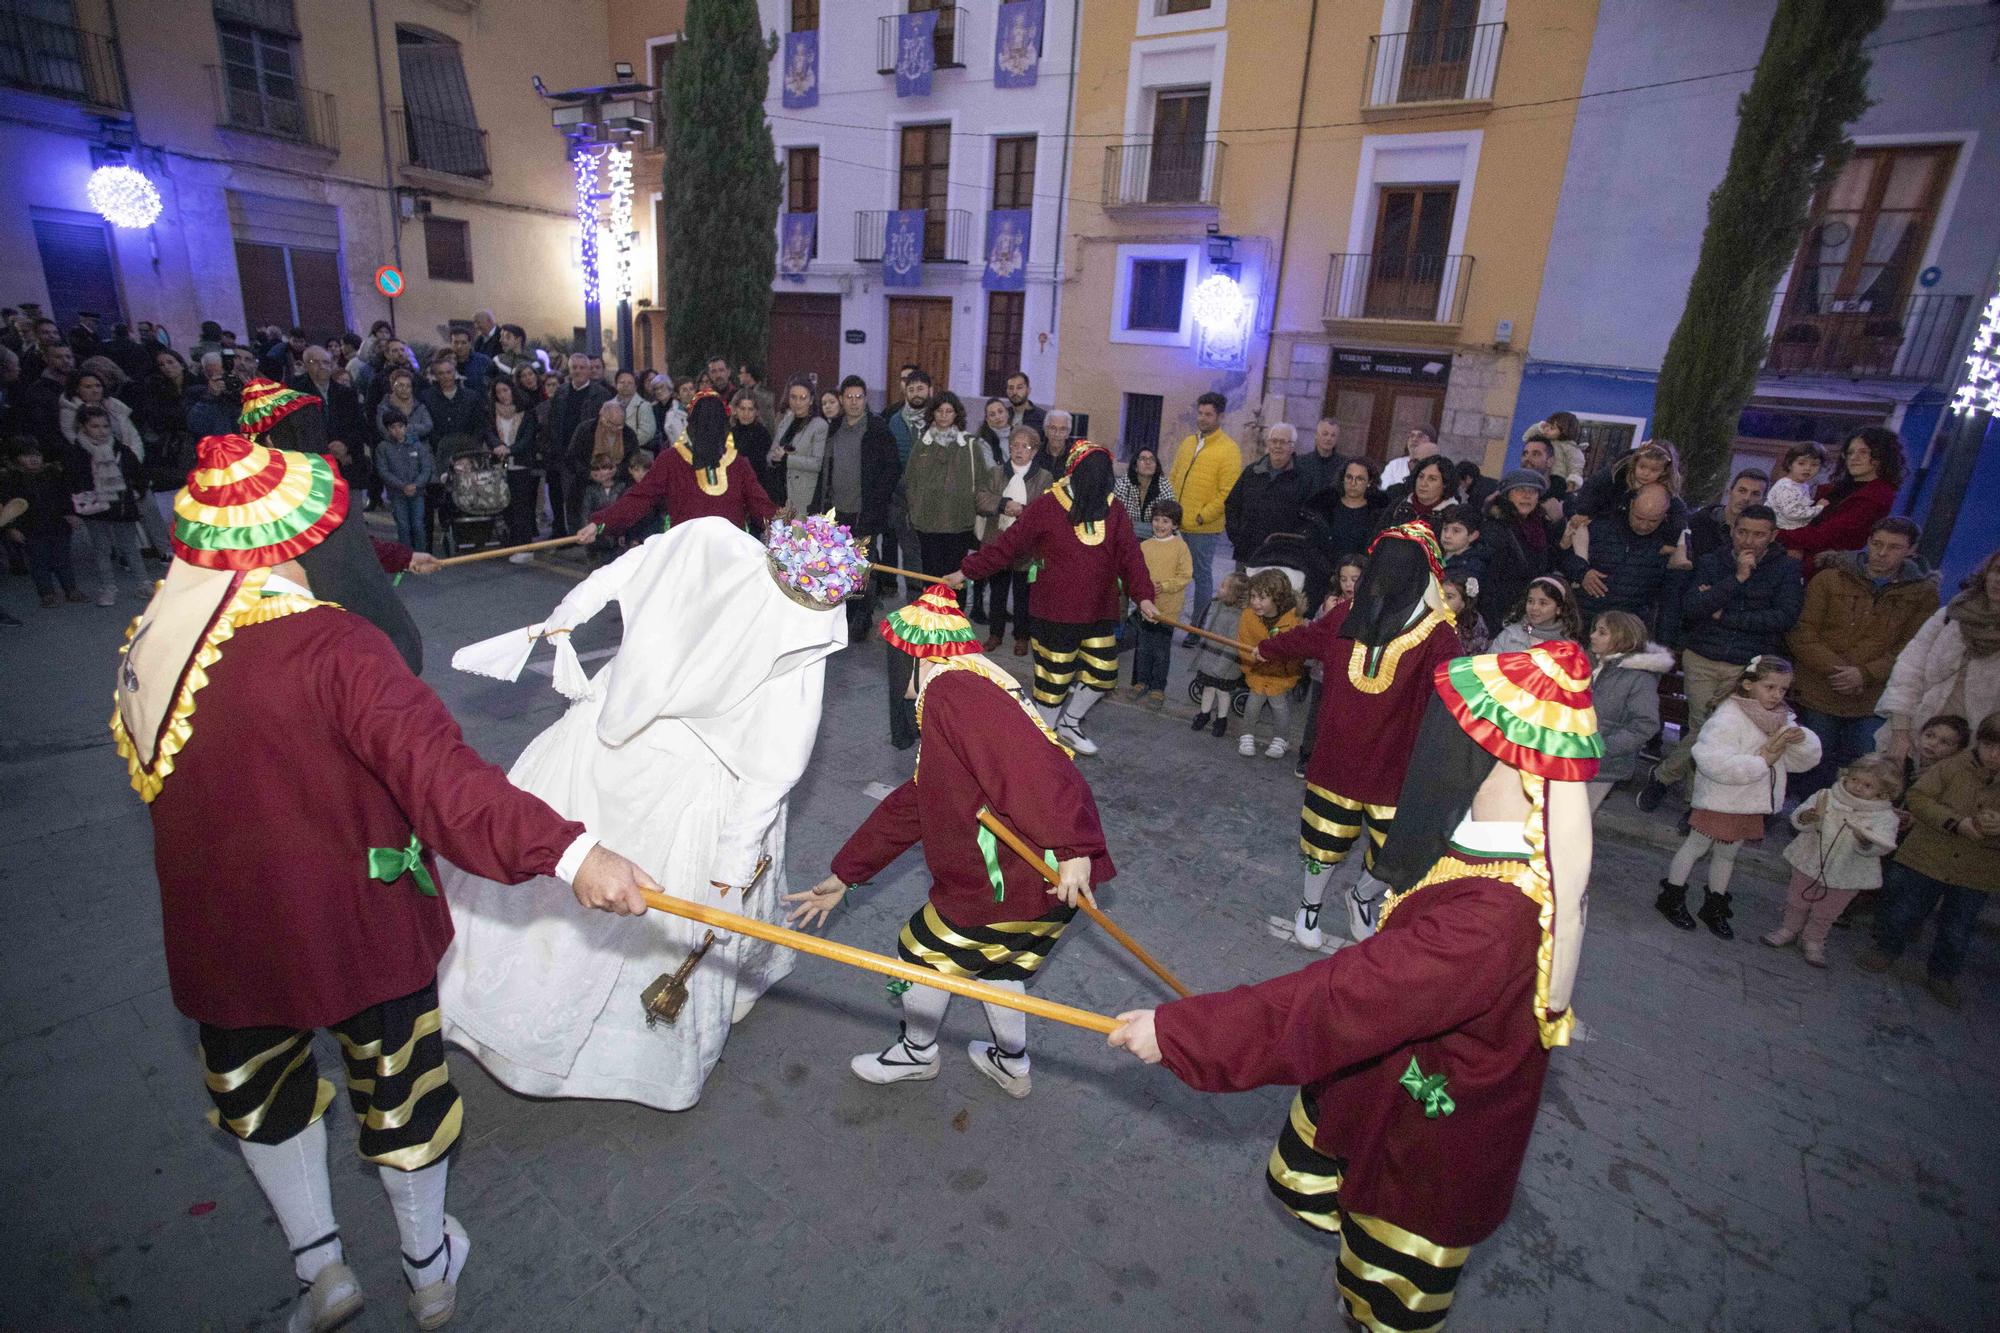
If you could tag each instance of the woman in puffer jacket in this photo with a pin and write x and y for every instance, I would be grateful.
(1625, 690)
(1951, 666)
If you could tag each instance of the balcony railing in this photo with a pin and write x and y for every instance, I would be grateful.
(431, 144)
(304, 116)
(1911, 339)
(1168, 171)
(1413, 288)
(60, 61)
(947, 43)
(947, 236)
(1433, 65)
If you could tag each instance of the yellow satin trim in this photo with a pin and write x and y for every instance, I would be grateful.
(291, 492)
(1047, 655)
(1406, 1292)
(231, 1079)
(1530, 707)
(395, 1064)
(1392, 653)
(1090, 534)
(247, 607)
(1531, 877)
(721, 486)
(243, 1126)
(421, 1155)
(1410, 1243)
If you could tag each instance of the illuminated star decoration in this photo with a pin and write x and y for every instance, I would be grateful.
(123, 196)
(1979, 391)
(585, 163)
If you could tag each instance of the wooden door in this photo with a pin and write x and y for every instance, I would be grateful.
(1412, 234)
(805, 340)
(1437, 51)
(925, 182)
(1180, 136)
(1380, 414)
(920, 333)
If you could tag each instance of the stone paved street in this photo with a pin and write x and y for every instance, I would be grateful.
(1738, 1142)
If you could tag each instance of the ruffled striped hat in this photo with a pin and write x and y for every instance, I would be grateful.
(1530, 710)
(266, 403)
(249, 507)
(1418, 531)
(1081, 450)
(931, 626)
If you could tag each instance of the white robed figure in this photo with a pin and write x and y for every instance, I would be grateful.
(682, 752)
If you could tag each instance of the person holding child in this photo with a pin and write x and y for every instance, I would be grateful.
(1741, 758)
(1172, 567)
(1791, 497)
(1950, 860)
(1547, 610)
(1844, 832)
(1273, 609)
(1218, 670)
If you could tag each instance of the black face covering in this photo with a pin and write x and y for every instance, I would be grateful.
(1446, 770)
(303, 432)
(1389, 594)
(1090, 489)
(343, 569)
(707, 431)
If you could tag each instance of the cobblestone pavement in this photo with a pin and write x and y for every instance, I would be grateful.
(1736, 1142)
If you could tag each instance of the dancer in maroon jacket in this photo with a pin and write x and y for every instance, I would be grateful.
(294, 816)
(1421, 1050)
(988, 917)
(701, 474)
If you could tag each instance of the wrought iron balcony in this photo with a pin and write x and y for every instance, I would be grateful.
(947, 235)
(1412, 288)
(301, 114)
(1170, 172)
(60, 60)
(1455, 64)
(431, 144)
(947, 44)
(1862, 339)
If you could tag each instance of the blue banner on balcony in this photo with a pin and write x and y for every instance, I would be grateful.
(795, 244)
(903, 248)
(1007, 250)
(801, 70)
(916, 53)
(1017, 44)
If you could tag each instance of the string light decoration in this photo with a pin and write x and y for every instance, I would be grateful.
(123, 196)
(584, 162)
(1217, 302)
(1979, 390)
(618, 176)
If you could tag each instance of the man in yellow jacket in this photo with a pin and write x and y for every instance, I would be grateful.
(1203, 473)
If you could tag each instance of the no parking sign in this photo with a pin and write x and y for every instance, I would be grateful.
(389, 280)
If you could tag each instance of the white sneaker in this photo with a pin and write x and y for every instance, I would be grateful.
(433, 1305)
(1305, 926)
(900, 1063)
(1246, 745)
(1075, 740)
(1276, 749)
(986, 1058)
(333, 1298)
(521, 558)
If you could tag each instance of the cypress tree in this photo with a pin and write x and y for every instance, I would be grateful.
(720, 189)
(1791, 140)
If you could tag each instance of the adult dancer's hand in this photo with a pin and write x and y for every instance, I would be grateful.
(814, 905)
(608, 882)
(1135, 1033)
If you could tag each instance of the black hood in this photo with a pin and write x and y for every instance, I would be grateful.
(1437, 792)
(343, 569)
(1390, 594)
(707, 431)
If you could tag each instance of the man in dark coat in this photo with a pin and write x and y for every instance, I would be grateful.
(1631, 559)
(858, 481)
(1269, 496)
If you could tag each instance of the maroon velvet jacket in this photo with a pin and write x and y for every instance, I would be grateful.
(311, 744)
(394, 557)
(669, 487)
(980, 749)
(1449, 980)
(1362, 747)
(1078, 584)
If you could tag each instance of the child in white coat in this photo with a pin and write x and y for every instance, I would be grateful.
(1844, 832)
(1741, 757)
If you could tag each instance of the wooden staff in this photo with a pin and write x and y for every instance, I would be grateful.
(1027, 853)
(499, 551)
(875, 962)
(1226, 641)
(919, 575)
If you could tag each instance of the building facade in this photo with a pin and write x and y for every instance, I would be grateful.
(1869, 325)
(1316, 209)
(297, 148)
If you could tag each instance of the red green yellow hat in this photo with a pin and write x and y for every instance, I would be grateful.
(249, 507)
(1419, 532)
(931, 626)
(1530, 710)
(1081, 450)
(267, 402)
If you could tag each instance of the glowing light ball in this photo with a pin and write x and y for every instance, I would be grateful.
(1218, 302)
(123, 196)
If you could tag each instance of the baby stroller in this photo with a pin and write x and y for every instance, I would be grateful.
(476, 495)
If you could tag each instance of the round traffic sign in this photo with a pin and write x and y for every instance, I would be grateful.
(389, 280)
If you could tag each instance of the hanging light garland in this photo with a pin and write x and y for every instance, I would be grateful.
(584, 163)
(123, 196)
(1979, 390)
(618, 175)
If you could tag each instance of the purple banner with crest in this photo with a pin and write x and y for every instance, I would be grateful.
(1017, 44)
(903, 248)
(800, 77)
(916, 53)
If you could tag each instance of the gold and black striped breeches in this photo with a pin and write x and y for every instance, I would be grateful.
(1329, 824)
(1073, 655)
(1003, 951)
(1389, 1278)
(266, 1085)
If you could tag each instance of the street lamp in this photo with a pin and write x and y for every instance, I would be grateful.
(598, 126)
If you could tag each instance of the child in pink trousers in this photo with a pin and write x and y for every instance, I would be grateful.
(1844, 832)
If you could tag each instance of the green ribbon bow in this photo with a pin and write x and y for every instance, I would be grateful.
(989, 848)
(897, 988)
(390, 864)
(1428, 1089)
